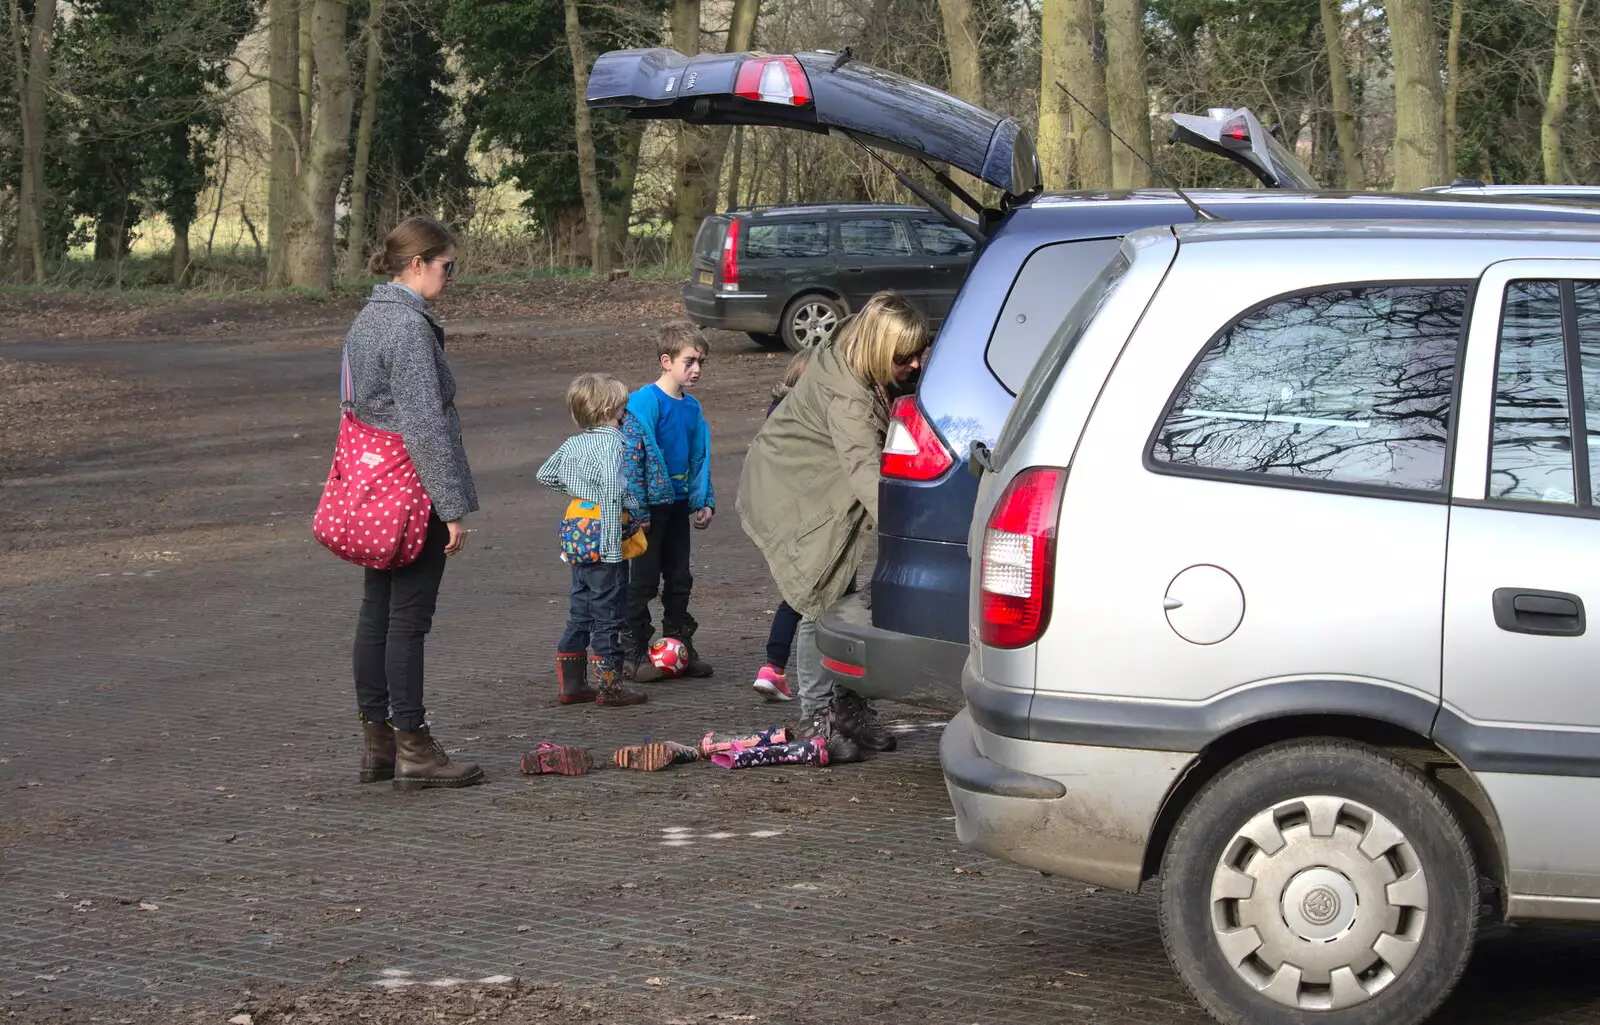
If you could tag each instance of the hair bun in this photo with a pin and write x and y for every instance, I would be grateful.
(378, 261)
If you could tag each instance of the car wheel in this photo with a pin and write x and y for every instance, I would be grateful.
(1319, 882)
(767, 341)
(810, 320)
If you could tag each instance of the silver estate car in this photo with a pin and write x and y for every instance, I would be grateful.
(1285, 554)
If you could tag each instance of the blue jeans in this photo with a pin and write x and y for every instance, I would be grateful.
(598, 601)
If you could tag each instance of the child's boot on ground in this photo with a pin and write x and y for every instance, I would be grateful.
(572, 669)
(377, 753)
(640, 669)
(421, 763)
(612, 693)
(859, 721)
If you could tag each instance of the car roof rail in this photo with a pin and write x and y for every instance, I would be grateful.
(751, 208)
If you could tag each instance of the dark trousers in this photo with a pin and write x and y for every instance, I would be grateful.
(780, 636)
(664, 564)
(596, 605)
(396, 615)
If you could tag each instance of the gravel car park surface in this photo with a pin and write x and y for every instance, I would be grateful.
(181, 834)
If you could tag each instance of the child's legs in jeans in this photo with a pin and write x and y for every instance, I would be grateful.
(780, 639)
(608, 584)
(580, 615)
(676, 580)
(644, 576)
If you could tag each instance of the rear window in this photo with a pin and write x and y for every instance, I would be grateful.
(708, 243)
(940, 239)
(786, 240)
(1056, 354)
(1041, 298)
(876, 237)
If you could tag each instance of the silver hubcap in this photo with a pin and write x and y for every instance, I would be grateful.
(813, 323)
(1319, 903)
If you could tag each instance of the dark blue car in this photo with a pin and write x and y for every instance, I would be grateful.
(905, 637)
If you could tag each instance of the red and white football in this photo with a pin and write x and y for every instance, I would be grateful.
(670, 655)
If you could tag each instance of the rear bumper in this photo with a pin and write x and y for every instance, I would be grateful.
(758, 312)
(1086, 813)
(893, 666)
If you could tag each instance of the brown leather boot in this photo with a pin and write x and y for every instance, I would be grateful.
(377, 754)
(612, 693)
(572, 669)
(420, 763)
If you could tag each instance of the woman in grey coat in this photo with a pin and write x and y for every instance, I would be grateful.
(400, 382)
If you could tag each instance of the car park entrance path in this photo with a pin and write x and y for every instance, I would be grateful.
(181, 834)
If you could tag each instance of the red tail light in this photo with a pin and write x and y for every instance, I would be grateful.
(912, 449)
(1238, 130)
(1019, 559)
(773, 80)
(730, 258)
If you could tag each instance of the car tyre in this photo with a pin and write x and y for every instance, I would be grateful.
(767, 340)
(1319, 882)
(810, 320)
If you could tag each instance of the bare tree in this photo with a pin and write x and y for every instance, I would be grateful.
(33, 74)
(1555, 106)
(1055, 115)
(356, 243)
(310, 248)
(588, 180)
(283, 105)
(1129, 97)
(1452, 85)
(966, 74)
(1344, 120)
(1419, 157)
(1083, 75)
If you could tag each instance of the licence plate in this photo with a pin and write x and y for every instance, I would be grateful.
(705, 277)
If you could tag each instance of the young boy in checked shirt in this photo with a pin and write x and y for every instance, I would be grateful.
(603, 527)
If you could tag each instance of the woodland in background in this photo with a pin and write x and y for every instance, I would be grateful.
(269, 142)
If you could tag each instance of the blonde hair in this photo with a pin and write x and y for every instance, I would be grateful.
(594, 399)
(886, 328)
(677, 335)
(411, 238)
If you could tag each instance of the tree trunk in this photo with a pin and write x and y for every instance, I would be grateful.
(1055, 119)
(736, 168)
(33, 73)
(1344, 122)
(307, 70)
(700, 150)
(180, 253)
(1452, 87)
(1555, 106)
(966, 72)
(1091, 144)
(1129, 100)
(620, 213)
(283, 105)
(356, 244)
(310, 252)
(222, 190)
(1419, 158)
(588, 178)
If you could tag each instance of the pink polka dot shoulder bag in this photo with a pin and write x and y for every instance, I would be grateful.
(374, 511)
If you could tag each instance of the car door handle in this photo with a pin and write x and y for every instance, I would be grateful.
(1542, 613)
(853, 270)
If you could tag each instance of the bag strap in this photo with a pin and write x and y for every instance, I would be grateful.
(346, 389)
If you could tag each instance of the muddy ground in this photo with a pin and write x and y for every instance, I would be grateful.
(181, 835)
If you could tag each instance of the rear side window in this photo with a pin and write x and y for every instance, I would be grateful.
(1056, 354)
(876, 237)
(786, 240)
(1346, 386)
(708, 243)
(1544, 446)
(1043, 294)
(940, 239)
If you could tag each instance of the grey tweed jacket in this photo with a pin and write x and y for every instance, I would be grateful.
(402, 383)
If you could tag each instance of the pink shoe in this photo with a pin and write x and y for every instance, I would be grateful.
(772, 685)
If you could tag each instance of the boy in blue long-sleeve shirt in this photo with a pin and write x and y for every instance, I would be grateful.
(675, 435)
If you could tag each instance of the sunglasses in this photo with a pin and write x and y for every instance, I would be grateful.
(450, 268)
(915, 357)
